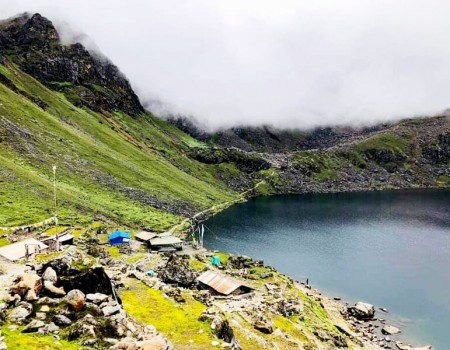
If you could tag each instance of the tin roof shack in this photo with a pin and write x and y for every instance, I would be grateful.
(145, 236)
(166, 243)
(119, 237)
(63, 239)
(222, 284)
(22, 249)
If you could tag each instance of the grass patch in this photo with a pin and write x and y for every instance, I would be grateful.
(15, 340)
(443, 181)
(178, 322)
(4, 241)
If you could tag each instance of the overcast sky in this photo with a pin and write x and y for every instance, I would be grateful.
(287, 63)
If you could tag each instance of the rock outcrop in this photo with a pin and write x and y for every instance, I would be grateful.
(87, 79)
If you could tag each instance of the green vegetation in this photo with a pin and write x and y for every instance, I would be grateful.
(179, 322)
(443, 181)
(4, 241)
(320, 165)
(382, 141)
(16, 340)
(108, 164)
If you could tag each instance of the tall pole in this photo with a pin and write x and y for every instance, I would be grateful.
(56, 208)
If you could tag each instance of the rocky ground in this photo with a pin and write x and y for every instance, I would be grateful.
(85, 296)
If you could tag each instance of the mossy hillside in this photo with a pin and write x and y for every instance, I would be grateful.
(97, 155)
(319, 165)
(178, 322)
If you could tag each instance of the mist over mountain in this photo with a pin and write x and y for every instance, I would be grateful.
(289, 64)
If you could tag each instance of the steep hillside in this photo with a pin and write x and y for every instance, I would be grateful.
(114, 160)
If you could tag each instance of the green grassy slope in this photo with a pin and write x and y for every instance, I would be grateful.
(131, 170)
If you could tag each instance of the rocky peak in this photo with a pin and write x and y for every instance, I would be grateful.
(38, 31)
(34, 44)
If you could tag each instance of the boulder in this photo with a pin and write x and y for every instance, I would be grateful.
(29, 285)
(50, 289)
(48, 301)
(51, 328)
(390, 330)
(158, 342)
(94, 281)
(110, 310)
(62, 267)
(62, 320)
(21, 312)
(76, 299)
(177, 270)
(50, 275)
(33, 326)
(41, 315)
(362, 311)
(96, 298)
(263, 325)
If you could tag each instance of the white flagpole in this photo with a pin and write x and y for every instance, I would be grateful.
(56, 208)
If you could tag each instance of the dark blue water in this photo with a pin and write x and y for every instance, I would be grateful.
(389, 248)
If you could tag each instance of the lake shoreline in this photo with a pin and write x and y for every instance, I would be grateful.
(409, 190)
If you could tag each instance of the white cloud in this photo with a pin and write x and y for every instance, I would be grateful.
(288, 63)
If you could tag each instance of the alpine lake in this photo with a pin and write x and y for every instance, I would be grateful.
(388, 248)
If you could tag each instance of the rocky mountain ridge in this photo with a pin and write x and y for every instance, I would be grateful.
(33, 43)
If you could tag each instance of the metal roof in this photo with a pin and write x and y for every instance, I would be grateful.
(62, 238)
(165, 240)
(220, 283)
(17, 251)
(145, 235)
(117, 234)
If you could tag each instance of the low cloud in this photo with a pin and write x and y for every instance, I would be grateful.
(287, 63)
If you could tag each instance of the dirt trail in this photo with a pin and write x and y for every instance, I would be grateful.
(214, 207)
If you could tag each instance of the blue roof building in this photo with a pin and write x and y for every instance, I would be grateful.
(119, 237)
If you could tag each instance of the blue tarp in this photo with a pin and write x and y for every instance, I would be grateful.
(215, 261)
(119, 237)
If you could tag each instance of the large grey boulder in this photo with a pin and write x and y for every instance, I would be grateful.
(362, 311)
(177, 270)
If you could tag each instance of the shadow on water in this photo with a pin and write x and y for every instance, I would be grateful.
(390, 248)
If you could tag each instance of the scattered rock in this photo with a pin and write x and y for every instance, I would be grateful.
(33, 326)
(362, 311)
(62, 320)
(263, 325)
(391, 330)
(110, 310)
(48, 301)
(21, 312)
(96, 298)
(52, 290)
(177, 270)
(29, 285)
(51, 328)
(76, 299)
(50, 275)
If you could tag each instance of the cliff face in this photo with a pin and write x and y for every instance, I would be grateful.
(35, 46)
